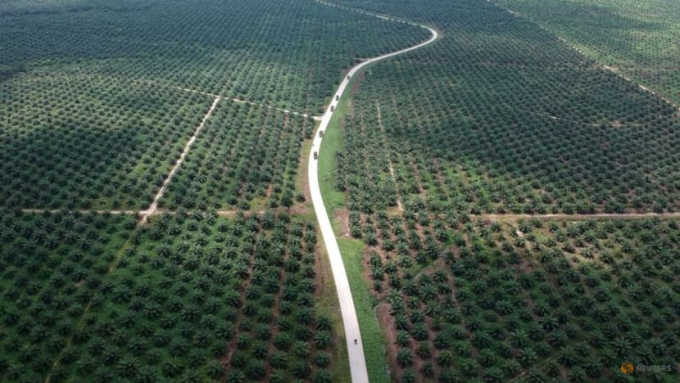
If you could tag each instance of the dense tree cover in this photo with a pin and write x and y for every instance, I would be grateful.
(364, 166)
(93, 107)
(500, 116)
(287, 53)
(535, 301)
(245, 153)
(27, 7)
(192, 297)
(198, 298)
(51, 266)
(72, 140)
(637, 38)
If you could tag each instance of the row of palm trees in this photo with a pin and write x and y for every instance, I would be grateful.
(255, 53)
(89, 143)
(647, 55)
(244, 153)
(51, 268)
(526, 127)
(534, 298)
(191, 297)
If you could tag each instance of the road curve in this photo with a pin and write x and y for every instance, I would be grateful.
(357, 362)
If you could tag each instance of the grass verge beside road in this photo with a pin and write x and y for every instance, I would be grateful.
(352, 250)
(327, 304)
(332, 143)
(372, 335)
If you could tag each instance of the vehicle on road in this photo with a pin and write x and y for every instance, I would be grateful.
(316, 155)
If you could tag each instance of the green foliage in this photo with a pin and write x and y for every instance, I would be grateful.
(250, 50)
(175, 300)
(163, 305)
(76, 140)
(548, 313)
(500, 116)
(98, 99)
(635, 38)
(244, 153)
(50, 267)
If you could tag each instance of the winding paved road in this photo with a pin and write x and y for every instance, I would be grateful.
(357, 362)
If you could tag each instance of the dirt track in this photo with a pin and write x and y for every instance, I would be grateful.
(572, 217)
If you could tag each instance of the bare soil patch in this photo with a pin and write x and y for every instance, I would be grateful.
(357, 83)
(342, 216)
(322, 273)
